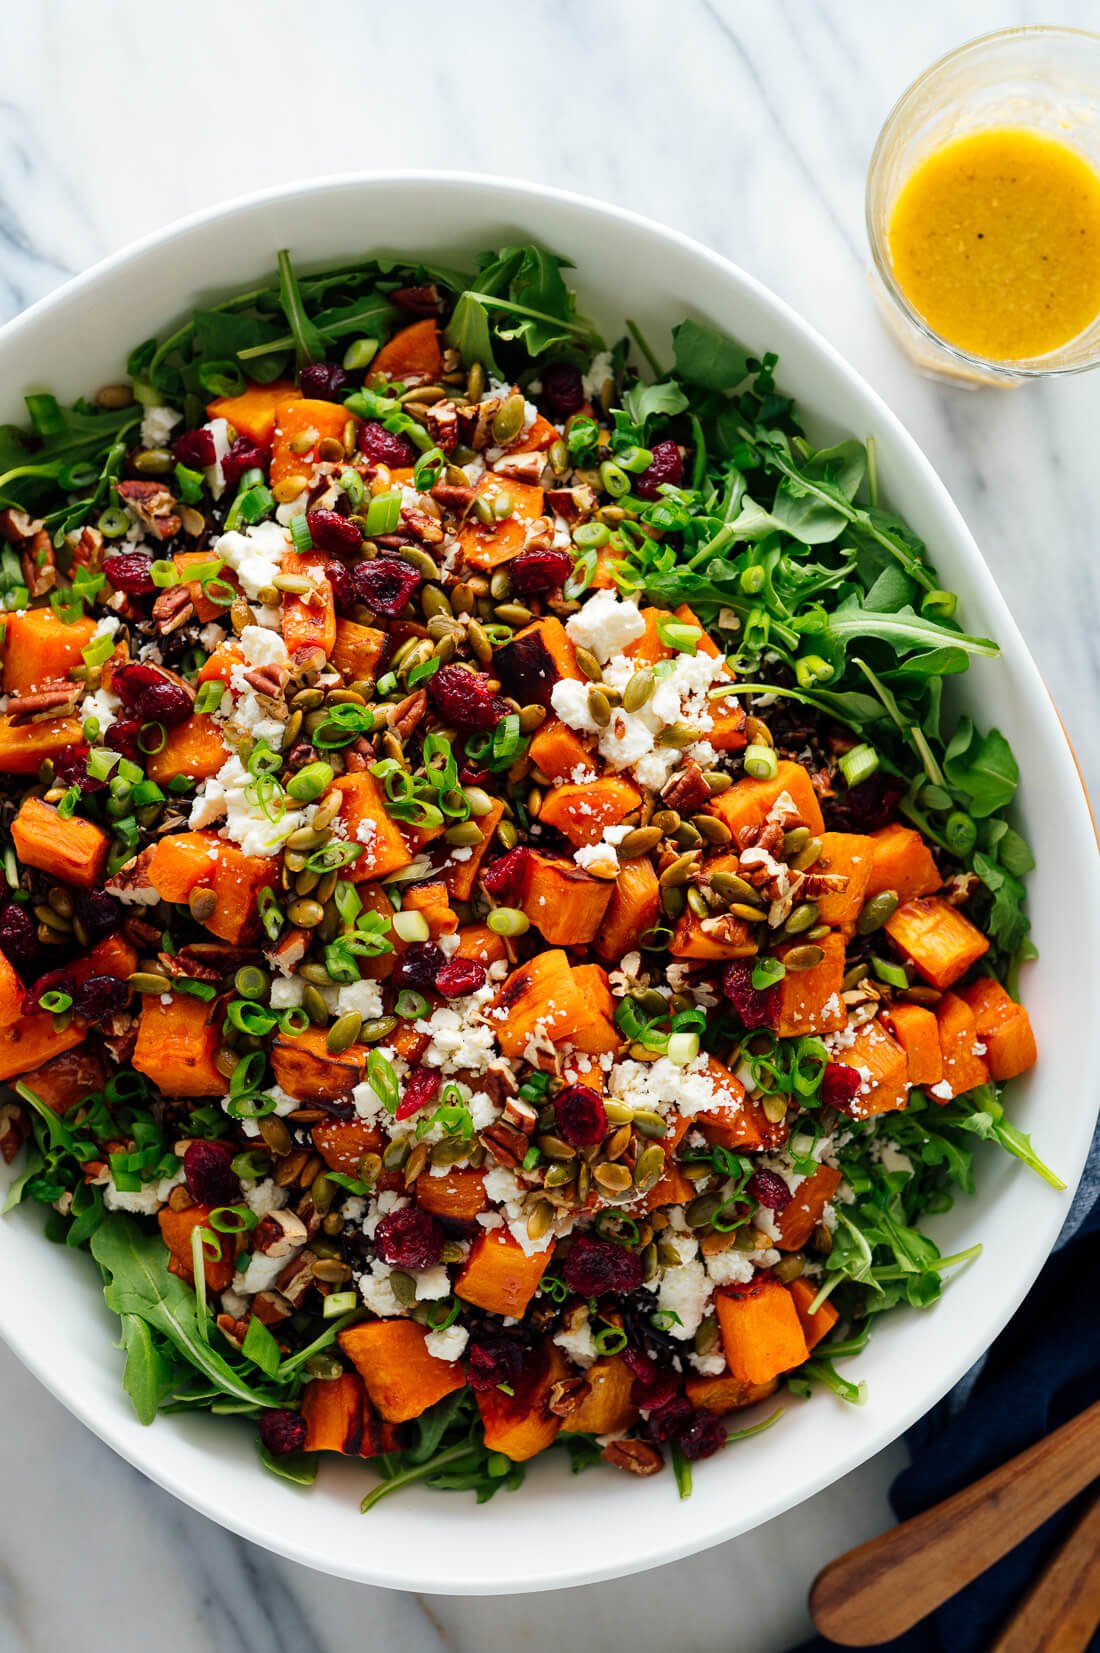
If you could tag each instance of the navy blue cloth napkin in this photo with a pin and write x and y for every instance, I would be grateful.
(1041, 1371)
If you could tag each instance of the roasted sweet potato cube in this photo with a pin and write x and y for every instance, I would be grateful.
(936, 938)
(1003, 1026)
(541, 994)
(748, 803)
(460, 876)
(299, 421)
(414, 354)
(195, 749)
(176, 1229)
(733, 1122)
(581, 812)
(30, 1040)
(402, 1378)
(73, 851)
(844, 855)
(725, 937)
(458, 1195)
(564, 901)
(917, 1032)
(809, 1000)
(901, 861)
(24, 747)
(309, 621)
(363, 813)
(252, 413)
(487, 546)
(68, 1079)
(307, 1069)
(761, 1332)
(360, 651)
(559, 753)
(817, 1325)
(881, 1062)
(40, 648)
(632, 910)
(723, 1393)
(797, 1221)
(477, 941)
(964, 1066)
(521, 1425)
(176, 1044)
(534, 660)
(340, 1418)
(607, 1409)
(180, 861)
(342, 1143)
(498, 1275)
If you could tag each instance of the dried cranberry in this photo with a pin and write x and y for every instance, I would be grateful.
(330, 531)
(339, 578)
(492, 1361)
(768, 1188)
(470, 775)
(99, 913)
(385, 447)
(151, 696)
(122, 737)
(702, 1436)
(667, 465)
(562, 389)
(418, 966)
(209, 1174)
(129, 571)
(873, 803)
(505, 877)
(54, 981)
(463, 698)
(17, 935)
(654, 1387)
(70, 768)
(244, 455)
(839, 1085)
(326, 381)
(458, 977)
(756, 1006)
(581, 1119)
(282, 1431)
(409, 1238)
(386, 584)
(597, 1266)
(195, 449)
(536, 572)
(99, 997)
(421, 1087)
(667, 1419)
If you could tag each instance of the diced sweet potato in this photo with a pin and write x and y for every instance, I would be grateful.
(176, 1044)
(672, 1188)
(917, 1032)
(499, 1276)
(901, 861)
(195, 749)
(413, 354)
(340, 1418)
(846, 855)
(461, 876)
(887, 1087)
(176, 1229)
(342, 1143)
(309, 621)
(732, 938)
(797, 1221)
(432, 900)
(964, 1066)
(252, 413)
(535, 660)
(486, 547)
(581, 812)
(477, 941)
(748, 802)
(560, 753)
(220, 664)
(817, 1325)
(306, 1068)
(206, 608)
(564, 901)
(359, 651)
(809, 1000)
(936, 938)
(68, 1079)
(733, 1122)
(541, 994)
(180, 861)
(722, 1393)
(401, 1377)
(1003, 1026)
(295, 421)
(761, 1333)
(521, 1425)
(607, 1409)
(41, 648)
(12, 992)
(457, 1195)
(24, 747)
(632, 910)
(30, 1040)
(384, 849)
(74, 851)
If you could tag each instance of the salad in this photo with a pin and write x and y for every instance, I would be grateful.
(502, 944)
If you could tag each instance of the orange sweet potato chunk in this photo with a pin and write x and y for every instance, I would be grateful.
(809, 1000)
(581, 812)
(477, 941)
(252, 413)
(206, 608)
(607, 1409)
(845, 855)
(24, 747)
(195, 749)
(916, 1030)
(817, 1325)
(305, 1067)
(724, 1393)
(401, 1377)
(359, 651)
(176, 1229)
(522, 1425)
(632, 910)
(797, 1221)
(461, 876)
(414, 353)
(964, 1066)
(180, 861)
(296, 420)
(384, 848)
(176, 1044)
(936, 938)
(901, 861)
(761, 1332)
(30, 1040)
(342, 1143)
(74, 851)
(885, 1088)
(736, 939)
(486, 547)
(499, 1276)
(309, 621)
(564, 901)
(458, 1195)
(559, 753)
(541, 995)
(748, 802)
(1003, 1026)
(41, 648)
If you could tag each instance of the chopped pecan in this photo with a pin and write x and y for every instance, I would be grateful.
(453, 497)
(568, 1395)
(178, 964)
(686, 791)
(420, 526)
(539, 535)
(475, 422)
(408, 713)
(234, 1331)
(418, 301)
(267, 681)
(153, 506)
(499, 1082)
(960, 887)
(723, 928)
(306, 665)
(38, 561)
(14, 1130)
(52, 700)
(442, 422)
(506, 1145)
(520, 467)
(131, 881)
(142, 935)
(172, 609)
(120, 1034)
(572, 504)
(87, 548)
(521, 1114)
(217, 955)
(636, 1457)
(823, 883)
(16, 525)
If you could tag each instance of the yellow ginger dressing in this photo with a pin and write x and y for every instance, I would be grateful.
(995, 241)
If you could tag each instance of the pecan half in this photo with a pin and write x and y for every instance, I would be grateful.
(475, 422)
(420, 526)
(572, 504)
(686, 791)
(87, 548)
(453, 497)
(153, 506)
(267, 680)
(723, 928)
(442, 422)
(521, 1114)
(521, 467)
(636, 1457)
(38, 561)
(408, 713)
(16, 525)
(418, 301)
(506, 1145)
(52, 700)
(568, 1396)
(539, 535)
(172, 609)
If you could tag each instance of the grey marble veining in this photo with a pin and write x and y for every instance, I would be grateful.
(747, 125)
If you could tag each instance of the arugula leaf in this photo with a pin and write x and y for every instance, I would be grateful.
(707, 358)
(300, 1468)
(981, 766)
(147, 1373)
(469, 333)
(135, 1267)
(309, 346)
(1006, 923)
(646, 402)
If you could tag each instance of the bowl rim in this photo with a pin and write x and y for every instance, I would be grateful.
(869, 1440)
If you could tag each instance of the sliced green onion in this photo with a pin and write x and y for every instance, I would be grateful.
(337, 1303)
(209, 697)
(163, 572)
(382, 514)
(299, 532)
(98, 650)
(411, 926)
(859, 764)
(683, 1048)
(761, 763)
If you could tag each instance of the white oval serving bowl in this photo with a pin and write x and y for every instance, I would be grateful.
(559, 1529)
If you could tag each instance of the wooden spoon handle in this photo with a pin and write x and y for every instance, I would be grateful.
(1062, 1608)
(882, 1588)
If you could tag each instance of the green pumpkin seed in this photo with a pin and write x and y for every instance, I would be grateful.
(541, 1219)
(475, 383)
(343, 1032)
(378, 1028)
(559, 1175)
(146, 981)
(678, 872)
(370, 1169)
(479, 642)
(649, 1168)
(639, 842)
(697, 902)
(678, 735)
(403, 1287)
(395, 1155)
(599, 707)
(706, 1338)
(875, 912)
(314, 1005)
(613, 1179)
(464, 833)
(638, 690)
(649, 1124)
(717, 782)
(795, 840)
(483, 511)
(711, 829)
(306, 914)
(650, 1262)
(508, 834)
(853, 977)
(673, 900)
(804, 958)
(508, 420)
(758, 733)
(420, 560)
(435, 603)
(618, 1113)
(666, 821)
(514, 614)
(203, 904)
(789, 1268)
(554, 1148)
(818, 933)
(747, 914)
(702, 1209)
(154, 462)
(732, 888)
(250, 981)
(804, 917)
(775, 1109)
(809, 856)
(588, 664)
(531, 718)
(306, 838)
(668, 1254)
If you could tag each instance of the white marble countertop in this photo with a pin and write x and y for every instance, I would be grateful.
(749, 126)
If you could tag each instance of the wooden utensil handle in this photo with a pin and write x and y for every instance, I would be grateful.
(1062, 1608)
(882, 1588)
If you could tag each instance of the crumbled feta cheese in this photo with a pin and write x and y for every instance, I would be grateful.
(684, 1291)
(448, 1344)
(265, 1196)
(215, 476)
(261, 647)
(578, 1342)
(460, 1037)
(600, 369)
(103, 705)
(730, 1268)
(378, 1294)
(606, 624)
(432, 1283)
(227, 793)
(254, 554)
(157, 425)
(145, 1200)
(362, 996)
(286, 992)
